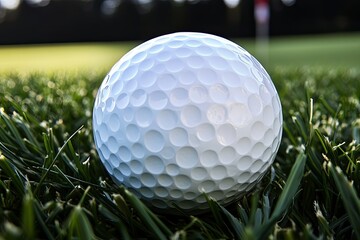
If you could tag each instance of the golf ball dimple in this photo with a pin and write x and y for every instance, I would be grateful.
(185, 114)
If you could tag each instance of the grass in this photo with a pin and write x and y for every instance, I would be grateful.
(61, 57)
(53, 186)
(326, 51)
(331, 51)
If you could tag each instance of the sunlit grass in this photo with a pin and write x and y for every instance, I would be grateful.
(61, 57)
(326, 51)
(53, 185)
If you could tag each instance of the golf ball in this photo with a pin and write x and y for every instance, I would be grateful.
(185, 114)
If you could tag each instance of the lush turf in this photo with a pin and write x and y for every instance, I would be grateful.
(53, 186)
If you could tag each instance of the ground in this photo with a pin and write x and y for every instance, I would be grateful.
(53, 186)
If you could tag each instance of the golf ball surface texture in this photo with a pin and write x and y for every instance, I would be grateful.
(185, 114)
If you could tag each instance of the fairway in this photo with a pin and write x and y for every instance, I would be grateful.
(325, 51)
(328, 51)
(61, 57)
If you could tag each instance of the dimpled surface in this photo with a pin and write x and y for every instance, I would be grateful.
(185, 114)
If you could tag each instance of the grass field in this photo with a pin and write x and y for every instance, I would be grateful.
(53, 186)
(325, 51)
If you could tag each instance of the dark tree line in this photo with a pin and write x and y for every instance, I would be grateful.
(115, 20)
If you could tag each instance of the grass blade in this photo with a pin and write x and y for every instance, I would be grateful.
(286, 198)
(28, 218)
(349, 197)
(237, 227)
(154, 224)
(54, 160)
(13, 130)
(291, 187)
(79, 225)
(13, 173)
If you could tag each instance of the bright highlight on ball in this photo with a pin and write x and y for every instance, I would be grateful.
(185, 114)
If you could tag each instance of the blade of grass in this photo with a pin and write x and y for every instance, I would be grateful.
(78, 222)
(291, 187)
(61, 173)
(253, 209)
(157, 227)
(350, 199)
(33, 215)
(54, 160)
(116, 221)
(79, 225)
(49, 147)
(28, 218)
(286, 197)
(13, 130)
(24, 126)
(9, 154)
(237, 227)
(216, 213)
(206, 230)
(53, 209)
(40, 216)
(13, 173)
(323, 223)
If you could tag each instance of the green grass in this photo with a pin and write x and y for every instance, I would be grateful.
(53, 186)
(61, 57)
(326, 51)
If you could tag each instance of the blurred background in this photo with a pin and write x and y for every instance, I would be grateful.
(273, 30)
(49, 21)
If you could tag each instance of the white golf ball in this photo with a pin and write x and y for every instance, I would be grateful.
(185, 114)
